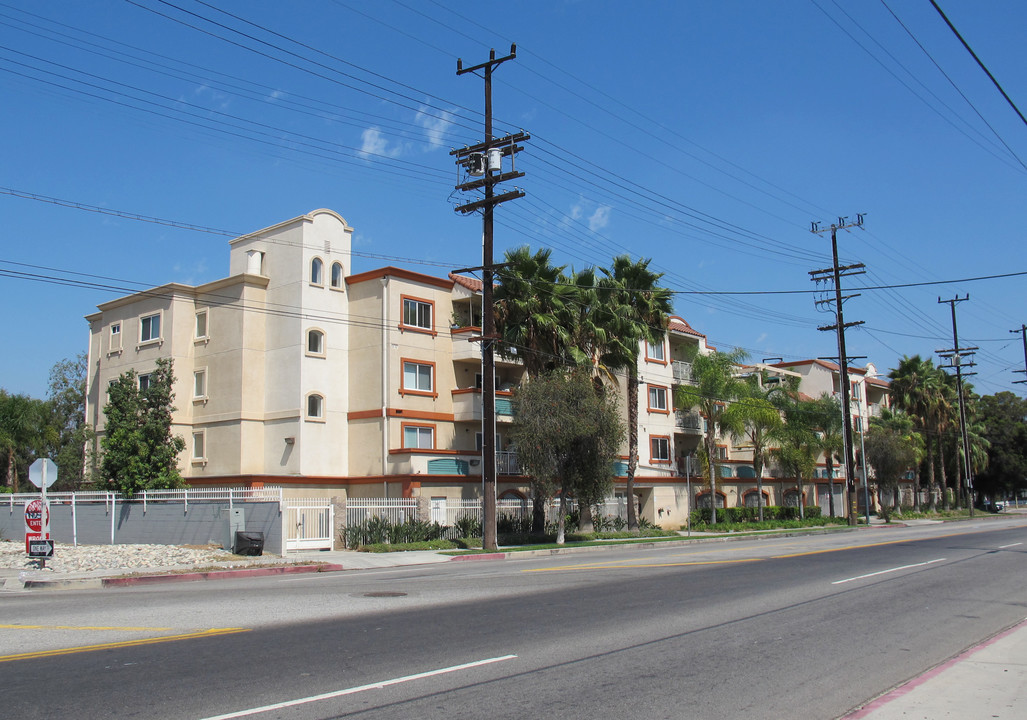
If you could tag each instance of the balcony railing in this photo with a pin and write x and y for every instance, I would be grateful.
(687, 420)
(506, 463)
(682, 371)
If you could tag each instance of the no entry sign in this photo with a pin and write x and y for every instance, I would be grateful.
(37, 522)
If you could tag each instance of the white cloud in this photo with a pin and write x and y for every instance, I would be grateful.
(435, 125)
(374, 143)
(600, 218)
(761, 338)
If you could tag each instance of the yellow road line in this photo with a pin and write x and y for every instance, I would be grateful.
(626, 566)
(213, 632)
(601, 566)
(84, 627)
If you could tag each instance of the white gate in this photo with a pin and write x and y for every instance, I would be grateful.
(308, 523)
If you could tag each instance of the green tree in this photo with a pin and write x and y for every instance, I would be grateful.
(828, 424)
(903, 427)
(567, 438)
(714, 386)
(532, 300)
(891, 455)
(917, 388)
(798, 442)
(23, 436)
(1003, 418)
(637, 311)
(759, 421)
(139, 450)
(67, 418)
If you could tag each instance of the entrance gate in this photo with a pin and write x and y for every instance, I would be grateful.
(308, 523)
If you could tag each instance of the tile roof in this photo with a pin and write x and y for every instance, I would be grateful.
(679, 324)
(472, 284)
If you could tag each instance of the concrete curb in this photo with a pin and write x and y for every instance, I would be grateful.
(130, 580)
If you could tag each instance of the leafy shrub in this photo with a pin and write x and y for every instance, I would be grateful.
(749, 516)
(507, 524)
(468, 526)
(378, 530)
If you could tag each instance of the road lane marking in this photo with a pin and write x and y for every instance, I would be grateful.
(889, 570)
(360, 688)
(1003, 547)
(610, 566)
(84, 627)
(213, 632)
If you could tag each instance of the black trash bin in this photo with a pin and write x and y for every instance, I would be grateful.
(249, 543)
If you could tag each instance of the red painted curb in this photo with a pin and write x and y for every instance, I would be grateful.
(481, 556)
(219, 574)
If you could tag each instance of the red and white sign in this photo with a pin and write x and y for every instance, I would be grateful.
(37, 522)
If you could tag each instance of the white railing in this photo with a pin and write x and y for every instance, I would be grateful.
(506, 462)
(687, 420)
(682, 371)
(184, 496)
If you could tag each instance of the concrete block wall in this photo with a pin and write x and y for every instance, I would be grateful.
(162, 523)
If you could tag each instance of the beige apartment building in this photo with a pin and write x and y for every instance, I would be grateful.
(295, 371)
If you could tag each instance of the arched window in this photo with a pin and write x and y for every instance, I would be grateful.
(316, 272)
(315, 342)
(336, 278)
(315, 407)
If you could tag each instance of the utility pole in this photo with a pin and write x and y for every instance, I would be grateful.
(485, 162)
(955, 356)
(1023, 332)
(837, 272)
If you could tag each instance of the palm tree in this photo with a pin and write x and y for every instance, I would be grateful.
(637, 311)
(828, 423)
(798, 442)
(760, 420)
(916, 389)
(715, 385)
(531, 301)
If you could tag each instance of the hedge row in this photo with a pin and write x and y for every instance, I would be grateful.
(703, 516)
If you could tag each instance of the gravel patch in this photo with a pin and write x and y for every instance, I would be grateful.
(122, 558)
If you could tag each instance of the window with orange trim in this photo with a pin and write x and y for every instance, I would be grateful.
(659, 449)
(655, 352)
(418, 437)
(418, 314)
(658, 399)
(418, 378)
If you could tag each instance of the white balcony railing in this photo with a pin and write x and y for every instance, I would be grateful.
(682, 371)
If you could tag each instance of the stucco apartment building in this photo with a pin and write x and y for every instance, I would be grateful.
(294, 371)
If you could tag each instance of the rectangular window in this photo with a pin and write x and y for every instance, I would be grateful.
(116, 336)
(658, 399)
(420, 437)
(149, 328)
(417, 314)
(856, 391)
(654, 352)
(857, 423)
(144, 382)
(201, 324)
(418, 377)
(199, 446)
(200, 384)
(659, 449)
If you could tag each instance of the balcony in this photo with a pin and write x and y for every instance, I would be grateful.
(467, 406)
(682, 371)
(687, 421)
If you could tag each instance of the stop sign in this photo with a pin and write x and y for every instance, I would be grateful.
(37, 516)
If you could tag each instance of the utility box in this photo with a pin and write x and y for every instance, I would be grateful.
(249, 543)
(236, 523)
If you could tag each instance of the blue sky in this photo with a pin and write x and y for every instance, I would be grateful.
(705, 136)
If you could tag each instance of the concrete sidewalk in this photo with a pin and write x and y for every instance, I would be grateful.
(988, 680)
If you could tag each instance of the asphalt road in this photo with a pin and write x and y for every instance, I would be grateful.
(779, 628)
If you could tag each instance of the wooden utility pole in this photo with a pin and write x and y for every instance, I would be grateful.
(1023, 333)
(955, 357)
(485, 161)
(837, 272)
